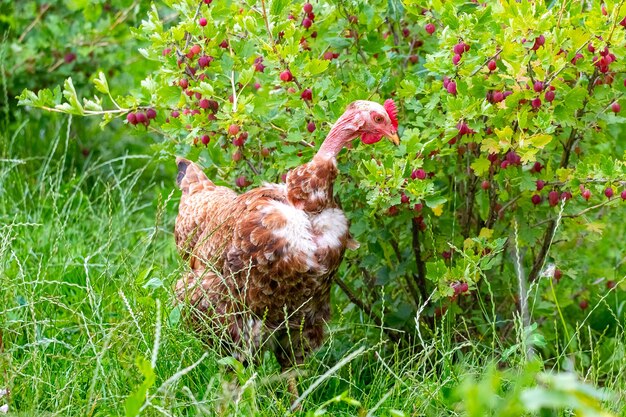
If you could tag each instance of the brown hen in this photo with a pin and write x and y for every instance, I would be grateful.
(262, 262)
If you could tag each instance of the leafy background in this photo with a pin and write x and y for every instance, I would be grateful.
(465, 297)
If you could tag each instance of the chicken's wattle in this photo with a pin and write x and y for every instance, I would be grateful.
(369, 138)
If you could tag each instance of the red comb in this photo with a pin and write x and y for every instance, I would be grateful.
(392, 111)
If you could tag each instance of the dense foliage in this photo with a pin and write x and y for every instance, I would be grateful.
(498, 219)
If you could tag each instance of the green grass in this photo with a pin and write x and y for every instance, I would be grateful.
(89, 328)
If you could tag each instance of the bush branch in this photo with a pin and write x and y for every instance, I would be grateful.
(420, 279)
(409, 283)
(366, 308)
(567, 150)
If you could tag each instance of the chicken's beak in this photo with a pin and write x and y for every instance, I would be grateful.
(394, 138)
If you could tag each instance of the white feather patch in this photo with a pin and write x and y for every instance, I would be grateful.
(297, 229)
(329, 227)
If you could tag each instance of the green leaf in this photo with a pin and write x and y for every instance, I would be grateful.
(174, 317)
(395, 10)
(316, 66)
(527, 183)
(134, 401)
(92, 105)
(27, 98)
(564, 174)
(481, 166)
(522, 118)
(153, 24)
(153, 283)
(149, 84)
(539, 140)
(278, 6)
(73, 105)
(434, 200)
(436, 270)
(101, 83)
(407, 88)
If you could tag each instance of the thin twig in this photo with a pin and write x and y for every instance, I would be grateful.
(367, 309)
(267, 25)
(195, 16)
(44, 8)
(493, 201)
(256, 172)
(556, 73)
(121, 16)
(563, 4)
(409, 283)
(86, 112)
(355, 34)
(470, 196)
(567, 149)
(583, 212)
(485, 63)
(615, 22)
(396, 39)
(508, 203)
(232, 84)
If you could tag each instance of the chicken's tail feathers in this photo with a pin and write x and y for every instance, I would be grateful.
(190, 174)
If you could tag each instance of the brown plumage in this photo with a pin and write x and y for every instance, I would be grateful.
(262, 262)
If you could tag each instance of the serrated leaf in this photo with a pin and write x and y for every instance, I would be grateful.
(67, 108)
(595, 227)
(527, 183)
(149, 84)
(539, 140)
(246, 76)
(436, 270)
(481, 166)
(92, 105)
(504, 135)
(407, 88)
(145, 52)
(564, 174)
(522, 118)
(434, 201)
(174, 317)
(203, 88)
(101, 83)
(27, 98)
(106, 119)
(490, 145)
(317, 66)
(153, 24)
(395, 10)
(73, 104)
(277, 7)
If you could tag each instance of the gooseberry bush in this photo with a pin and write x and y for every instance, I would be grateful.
(510, 172)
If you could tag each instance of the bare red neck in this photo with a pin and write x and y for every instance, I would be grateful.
(341, 133)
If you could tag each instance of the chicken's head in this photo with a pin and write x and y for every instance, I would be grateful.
(365, 119)
(375, 121)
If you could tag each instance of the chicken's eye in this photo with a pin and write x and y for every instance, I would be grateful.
(378, 119)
